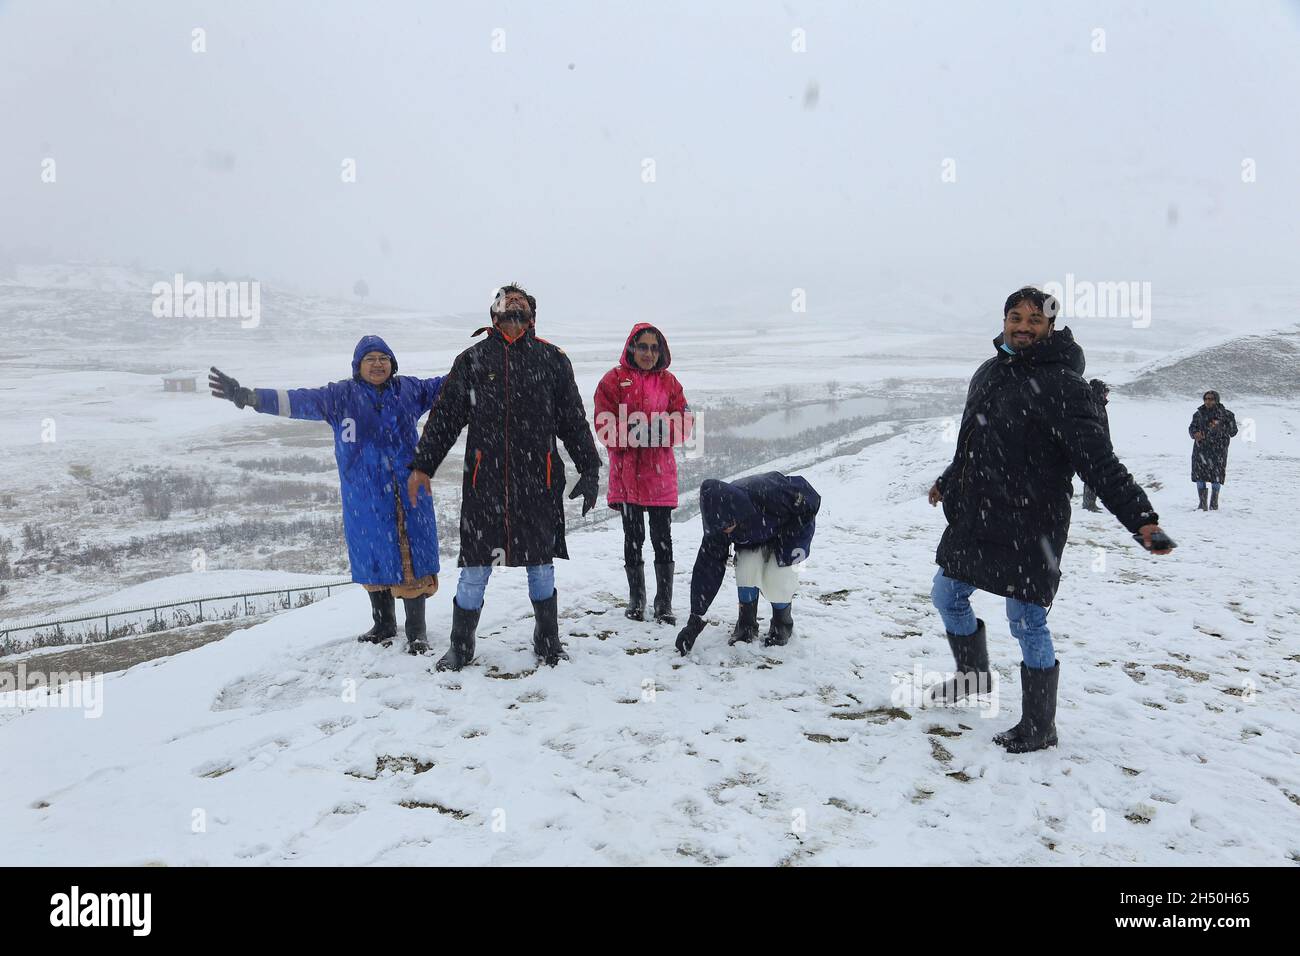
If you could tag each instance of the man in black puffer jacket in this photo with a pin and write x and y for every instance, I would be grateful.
(1029, 425)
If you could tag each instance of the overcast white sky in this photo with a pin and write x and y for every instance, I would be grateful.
(476, 167)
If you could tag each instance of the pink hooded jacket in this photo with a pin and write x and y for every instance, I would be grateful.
(629, 401)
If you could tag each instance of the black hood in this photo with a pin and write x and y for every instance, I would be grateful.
(1059, 348)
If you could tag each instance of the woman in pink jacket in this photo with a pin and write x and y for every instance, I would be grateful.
(641, 414)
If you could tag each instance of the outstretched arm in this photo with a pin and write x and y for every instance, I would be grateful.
(1078, 430)
(308, 404)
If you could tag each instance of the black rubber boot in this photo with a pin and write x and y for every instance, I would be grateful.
(781, 627)
(746, 628)
(1037, 727)
(636, 591)
(464, 625)
(383, 610)
(1201, 493)
(417, 638)
(546, 631)
(664, 593)
(1214, 500)
(970, 654)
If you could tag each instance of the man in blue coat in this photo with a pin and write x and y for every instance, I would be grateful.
(392, 544)
(770, 518)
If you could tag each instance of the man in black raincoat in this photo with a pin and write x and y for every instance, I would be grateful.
(517, 395)
(1029, 425)
(1212, 428)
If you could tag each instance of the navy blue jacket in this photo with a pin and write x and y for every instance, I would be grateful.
(772, 511)
(375, 435)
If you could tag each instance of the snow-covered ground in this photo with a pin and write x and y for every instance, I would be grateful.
(289, 742)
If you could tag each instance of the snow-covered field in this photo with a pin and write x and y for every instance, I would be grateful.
(290, 743)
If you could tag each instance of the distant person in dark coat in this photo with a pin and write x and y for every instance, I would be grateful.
(1212, 428)
(1101, 395)
(1030, 424)
(770, 518)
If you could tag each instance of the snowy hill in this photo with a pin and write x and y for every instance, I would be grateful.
(291, 743)
(1267, 365)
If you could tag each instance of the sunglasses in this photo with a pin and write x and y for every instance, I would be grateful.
(647, 349)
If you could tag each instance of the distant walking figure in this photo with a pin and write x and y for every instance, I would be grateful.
(1212, 428)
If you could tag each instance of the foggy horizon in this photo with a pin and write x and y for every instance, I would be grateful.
(774, 169)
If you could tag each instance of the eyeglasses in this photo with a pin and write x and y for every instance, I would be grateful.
(648, 349)
(377, 360)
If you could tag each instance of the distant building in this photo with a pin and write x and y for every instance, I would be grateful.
(180, 382)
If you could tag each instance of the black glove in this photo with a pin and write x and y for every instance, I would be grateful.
(223, 386)
(587, 488)
(686, 638)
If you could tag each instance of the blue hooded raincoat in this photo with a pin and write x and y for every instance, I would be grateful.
(375, 435)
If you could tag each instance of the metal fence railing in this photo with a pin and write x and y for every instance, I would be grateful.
(219, 608)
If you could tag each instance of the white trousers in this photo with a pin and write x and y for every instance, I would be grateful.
(776, 583)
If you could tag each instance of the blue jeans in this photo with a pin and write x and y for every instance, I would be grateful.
(1200, 486)
(750, 595)
(1028, 621)
(473, 582)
